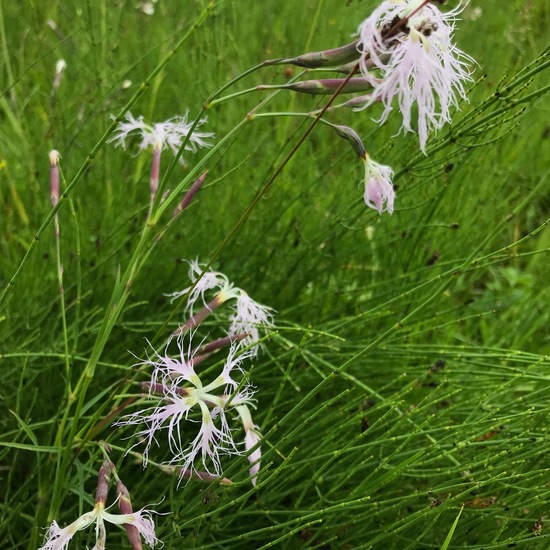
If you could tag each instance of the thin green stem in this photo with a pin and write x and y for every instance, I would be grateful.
(62, 302)
(119, 296)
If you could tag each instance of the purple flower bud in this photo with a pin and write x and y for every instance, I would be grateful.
(54, 176)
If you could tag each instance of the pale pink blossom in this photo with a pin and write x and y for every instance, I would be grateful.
(173, 370)
(249, 317)
(419, 64)
(210, 280)
(379, 193)
(58, 538)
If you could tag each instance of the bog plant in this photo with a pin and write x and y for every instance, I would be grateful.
(187, 405)
(406, 56)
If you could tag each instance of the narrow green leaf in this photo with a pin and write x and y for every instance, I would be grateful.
(451, 532)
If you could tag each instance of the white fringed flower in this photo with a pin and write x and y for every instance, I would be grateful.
(162, 135)
(211, 280)
(249, 316)
(58, 538)
(184, 394)
(420, 64)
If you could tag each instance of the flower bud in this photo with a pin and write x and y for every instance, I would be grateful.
(125, 507)
(352, 137)
(54, 176)
(326, 58)
(329, 86)
(193, 190)
(60, 67)
(103, 479)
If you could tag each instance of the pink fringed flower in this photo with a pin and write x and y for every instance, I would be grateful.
(379, 193)
(420, 64)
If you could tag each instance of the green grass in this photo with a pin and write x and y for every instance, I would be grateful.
(408, 378)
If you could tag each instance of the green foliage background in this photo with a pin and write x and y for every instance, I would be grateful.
(408, 379)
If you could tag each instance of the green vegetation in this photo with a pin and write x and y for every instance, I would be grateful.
(404, 396)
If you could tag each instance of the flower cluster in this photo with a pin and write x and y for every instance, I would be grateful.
(58, 538)
(183, 399)
(248, 317)
(170, 134)
(405, 54)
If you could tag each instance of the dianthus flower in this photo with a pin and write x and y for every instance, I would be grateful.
(58, 538)
(183, 394)
(162, 135)
(410, 43)
(248, 316)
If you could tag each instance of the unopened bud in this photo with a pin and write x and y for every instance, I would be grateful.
(103, 479)
(251, 440)
(54, 176)
(60, 67)
(194, 189)
(326, 58)
(125, 507)
(352, 137)
(148, 8)
(124, 502)
(330, 86)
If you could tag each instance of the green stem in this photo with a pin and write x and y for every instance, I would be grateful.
(119, 296)
(260, 88)
(7, 62)
(198, 118)
(62, 302)
(118, 299)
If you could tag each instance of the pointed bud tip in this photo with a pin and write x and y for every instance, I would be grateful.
(54, 157)
(60, 66)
